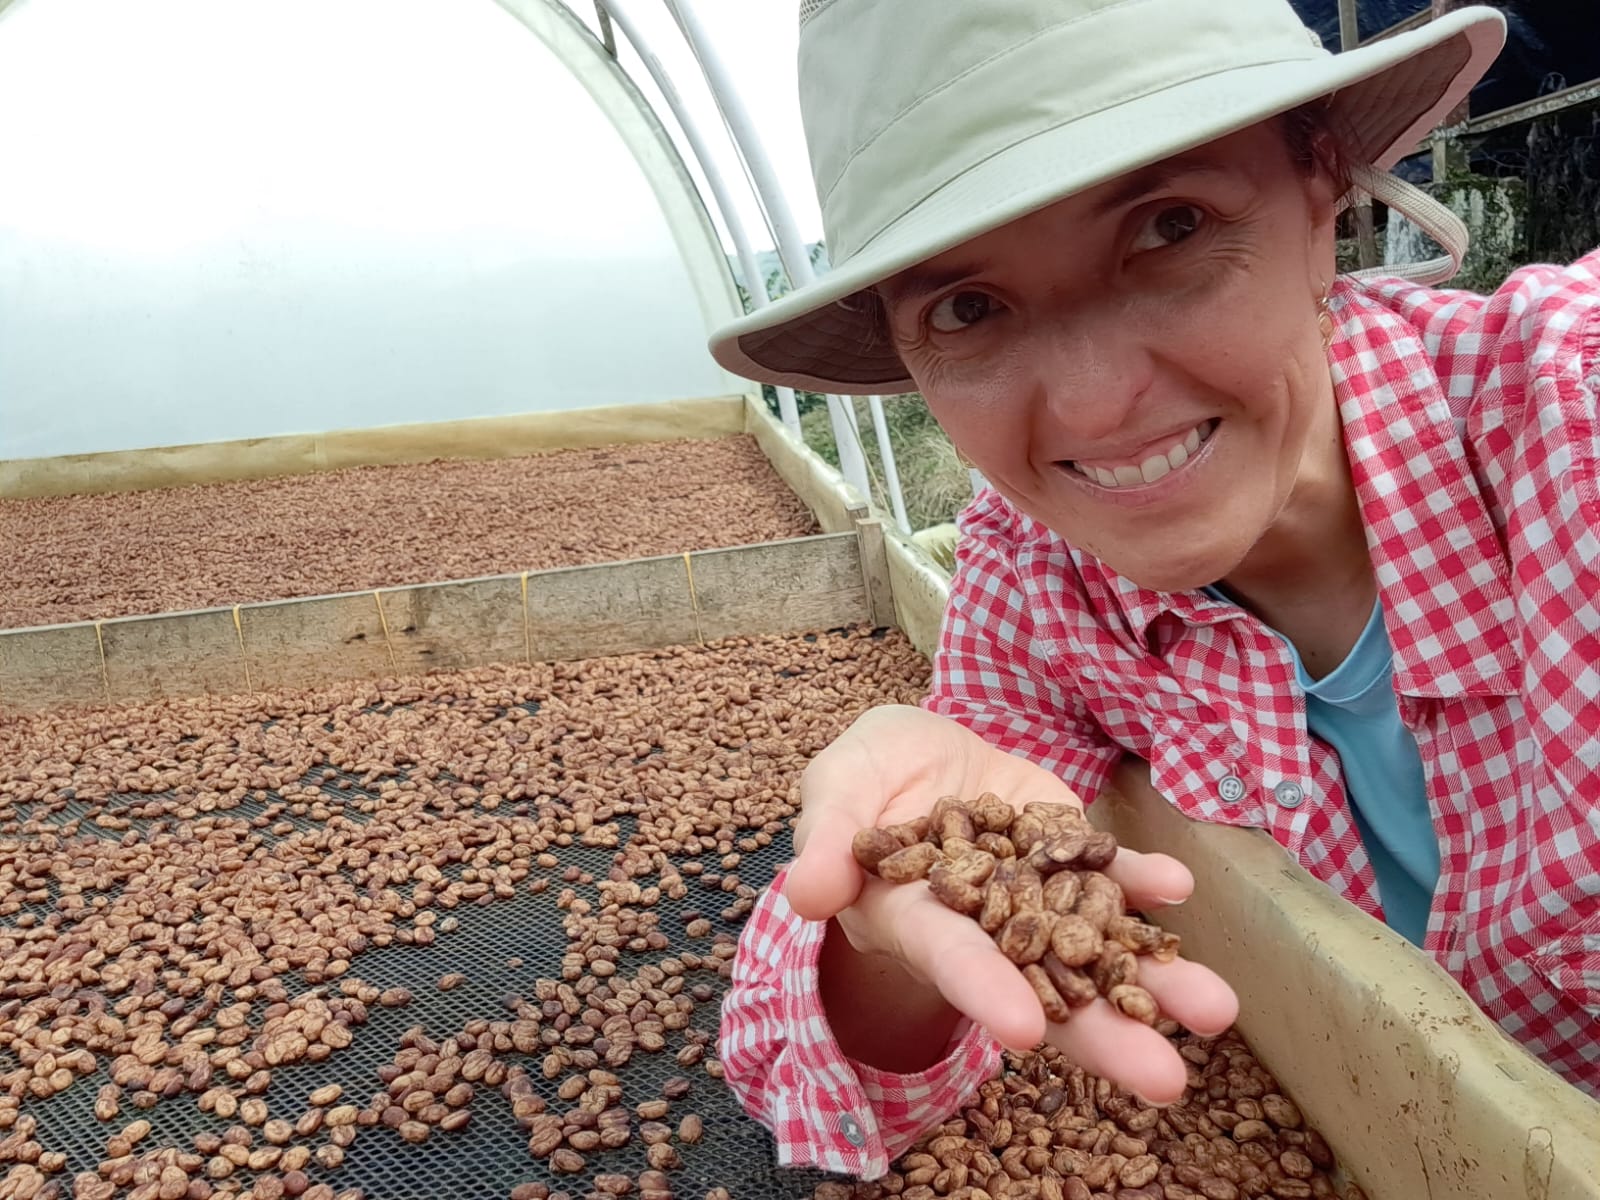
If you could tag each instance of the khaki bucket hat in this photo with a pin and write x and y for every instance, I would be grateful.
(930, 122)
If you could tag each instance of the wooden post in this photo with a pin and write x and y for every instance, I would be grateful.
(1349, 39)
(1366, 235)
(1449, 157)
(875, 570)
(1349, 25)
(1440, 8)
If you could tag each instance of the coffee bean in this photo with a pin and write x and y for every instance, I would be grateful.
(567, 1162)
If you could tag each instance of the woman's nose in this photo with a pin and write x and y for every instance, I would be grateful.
(1089, 374)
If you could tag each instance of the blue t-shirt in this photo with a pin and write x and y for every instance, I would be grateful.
(1353, 709)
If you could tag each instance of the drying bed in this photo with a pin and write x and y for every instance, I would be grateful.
(92, 557)
(469, 934)
(280, 863)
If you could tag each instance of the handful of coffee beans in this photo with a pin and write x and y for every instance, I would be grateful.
(1035, 882)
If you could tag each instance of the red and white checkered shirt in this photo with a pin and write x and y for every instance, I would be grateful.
(1473, 429)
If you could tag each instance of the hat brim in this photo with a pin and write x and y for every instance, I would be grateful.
(1389, 96)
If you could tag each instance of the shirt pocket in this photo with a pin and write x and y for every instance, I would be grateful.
(1203, 771)
(1118, 702)
(1570, 964)
(1199, 760)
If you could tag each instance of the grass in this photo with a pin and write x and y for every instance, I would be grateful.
(933, 480)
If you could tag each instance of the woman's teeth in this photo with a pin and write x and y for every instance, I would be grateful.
(1152, 468)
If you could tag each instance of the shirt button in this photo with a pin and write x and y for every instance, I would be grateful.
(1231, 789)
(851, 1128)
(1289, 794)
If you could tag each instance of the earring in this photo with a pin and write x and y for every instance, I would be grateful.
(1325, 316)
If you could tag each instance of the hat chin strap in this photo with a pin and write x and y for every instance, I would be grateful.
(1437, 221)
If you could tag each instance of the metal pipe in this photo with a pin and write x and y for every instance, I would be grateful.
(607, 38)
(891, 473)
(791, 248)
(847, 439)
(755, 281)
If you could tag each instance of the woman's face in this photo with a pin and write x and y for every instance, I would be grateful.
(1140, 366)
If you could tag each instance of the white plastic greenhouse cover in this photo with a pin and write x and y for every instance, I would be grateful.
(223, 220)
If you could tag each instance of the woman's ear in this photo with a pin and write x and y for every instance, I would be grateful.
(1323, 196)
(1327, 181)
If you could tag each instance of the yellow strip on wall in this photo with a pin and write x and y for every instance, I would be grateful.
(105, 675)
(384, 621)
(694, 599)
(527, 632)
(238, 627)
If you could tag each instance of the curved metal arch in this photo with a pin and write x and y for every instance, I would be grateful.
(570, 40)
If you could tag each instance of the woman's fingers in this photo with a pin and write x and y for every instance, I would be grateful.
(893, 755)
(840, 793)
(1150, 880)
(1104, 1042)
(825, 880)
(1191, 994)
(892, 764)
(952, 954)
(1194, 996)
(962, 961)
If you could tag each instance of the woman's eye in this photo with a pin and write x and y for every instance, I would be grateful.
(1169, 226)
(961, 310)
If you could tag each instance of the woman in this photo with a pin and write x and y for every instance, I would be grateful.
(1321, 550)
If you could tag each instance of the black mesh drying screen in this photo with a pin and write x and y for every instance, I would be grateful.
(501, 948)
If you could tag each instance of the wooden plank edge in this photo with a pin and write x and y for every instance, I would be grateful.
(919, 589)
(250, 672)
(781, 587)
(875, 572)
(836, 505)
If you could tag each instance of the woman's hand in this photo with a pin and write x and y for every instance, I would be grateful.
(890, 767)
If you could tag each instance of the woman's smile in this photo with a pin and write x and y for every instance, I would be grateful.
(1160, 458)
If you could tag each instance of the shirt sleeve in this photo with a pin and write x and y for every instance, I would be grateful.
(1520, 369)
(1540, 448)
(786, 1068)
(1564, 621)
(1552, 335)
(991, 672)
(1554, 531)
